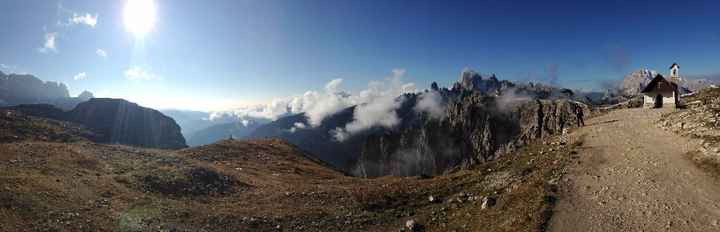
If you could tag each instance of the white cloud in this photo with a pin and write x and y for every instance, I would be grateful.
(136, 73)
(376, 105)
(80, 76)
(49, 45)
(86, 19)
(101, 53)
(431, 103)
(300, 125)
(297, 126)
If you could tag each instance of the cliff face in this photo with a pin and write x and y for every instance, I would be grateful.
(476, 129)
(120, 121)
(477, 120)
(116, 121)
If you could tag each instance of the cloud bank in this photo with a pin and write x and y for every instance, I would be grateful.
(376, 105)
(431, 103)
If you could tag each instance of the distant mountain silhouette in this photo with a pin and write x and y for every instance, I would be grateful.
(482, 118)
(116, 121)
(16, 89)
(191, 121)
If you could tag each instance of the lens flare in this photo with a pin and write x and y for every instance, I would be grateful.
(140, 16)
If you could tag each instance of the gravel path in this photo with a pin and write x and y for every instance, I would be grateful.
(632, 176)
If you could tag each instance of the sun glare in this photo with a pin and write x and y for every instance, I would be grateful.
(139, 16)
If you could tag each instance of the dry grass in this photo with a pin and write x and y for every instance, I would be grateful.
(260, 186)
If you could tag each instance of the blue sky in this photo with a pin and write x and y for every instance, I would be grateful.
(224, 53)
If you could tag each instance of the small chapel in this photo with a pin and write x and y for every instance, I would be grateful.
(661, 92)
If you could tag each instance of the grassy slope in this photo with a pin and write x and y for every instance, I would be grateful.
(259, 185)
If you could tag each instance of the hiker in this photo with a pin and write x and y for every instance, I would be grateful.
(579, 115)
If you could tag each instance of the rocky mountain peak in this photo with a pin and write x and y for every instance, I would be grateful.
(25, 89)
(116, 121)
(471, 80)
(634, 82)
(121, 121)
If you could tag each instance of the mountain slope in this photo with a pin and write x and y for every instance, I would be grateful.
(16, 126)
(116, 121)
(261, 185)
(478, 120)
(120, 121)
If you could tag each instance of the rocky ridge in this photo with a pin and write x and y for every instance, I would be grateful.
(16, 89)
(482, 118)
(476, 129)
(116, 121)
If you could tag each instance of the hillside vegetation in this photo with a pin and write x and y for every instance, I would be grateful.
(260, 185)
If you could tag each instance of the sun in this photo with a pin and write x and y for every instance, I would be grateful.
(139, 17)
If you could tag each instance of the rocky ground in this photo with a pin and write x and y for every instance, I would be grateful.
(15, 126)
(262, 185)
(701, 121)
(633, 176)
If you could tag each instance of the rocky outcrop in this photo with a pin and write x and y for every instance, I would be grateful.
(699, 119)
(474, 81)
(481, 119)
(120, 121)
(476, 129)
(116, 121)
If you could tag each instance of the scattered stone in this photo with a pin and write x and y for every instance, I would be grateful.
(412, 225)
(487, 202)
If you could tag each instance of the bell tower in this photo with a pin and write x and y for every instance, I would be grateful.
(675, 73)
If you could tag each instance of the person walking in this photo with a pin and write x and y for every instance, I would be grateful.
(579, 115)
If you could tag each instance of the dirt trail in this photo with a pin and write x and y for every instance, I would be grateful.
(632, 176)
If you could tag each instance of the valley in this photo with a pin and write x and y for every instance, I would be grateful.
(394, 115)
(261, 185)
(499, 156)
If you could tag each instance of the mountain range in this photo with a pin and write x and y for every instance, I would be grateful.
(115, 121)
(478, 119)
(435, 131)
(16, 89)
